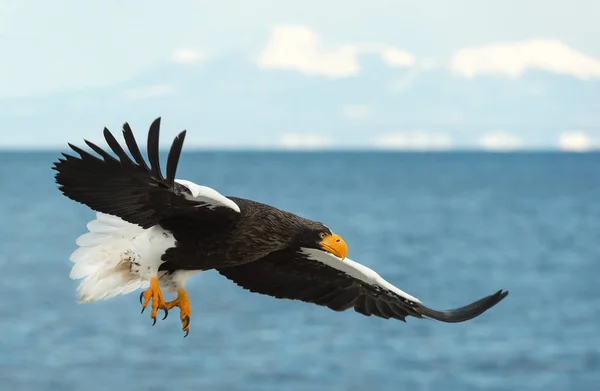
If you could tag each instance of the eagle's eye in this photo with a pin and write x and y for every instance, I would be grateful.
(322, 235)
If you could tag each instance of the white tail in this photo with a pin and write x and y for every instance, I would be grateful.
(116, 257)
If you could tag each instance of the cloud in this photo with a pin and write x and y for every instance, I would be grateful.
(416, 140)
(500, 141)
(357, 111)
(391, 56)
(397, 58)
(187, 56)
(575, 141)
(514, 58)
(154, 91)
(298, 48)
(297, 141)
(294, 47)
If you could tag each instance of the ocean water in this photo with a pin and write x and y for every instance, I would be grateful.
(448, 228)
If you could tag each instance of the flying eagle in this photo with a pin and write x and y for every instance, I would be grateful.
(153, 232)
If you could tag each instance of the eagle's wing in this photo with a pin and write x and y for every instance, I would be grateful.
(134, 191)
(318, 277)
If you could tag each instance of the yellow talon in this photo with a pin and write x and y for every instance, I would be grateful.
(183, 303)
(155, 295)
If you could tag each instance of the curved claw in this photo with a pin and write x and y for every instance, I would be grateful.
(153, 295)
(142, 302)
(164, 308)
(186, 325)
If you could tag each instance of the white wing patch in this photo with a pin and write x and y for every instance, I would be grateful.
(355, 270)
(116, 257)
(208, 195)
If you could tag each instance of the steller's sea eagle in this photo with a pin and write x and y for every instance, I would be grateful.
(153, 232)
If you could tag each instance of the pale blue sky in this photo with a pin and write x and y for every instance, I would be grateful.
(83, 52)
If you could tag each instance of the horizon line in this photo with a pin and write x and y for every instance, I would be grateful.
(196, 149)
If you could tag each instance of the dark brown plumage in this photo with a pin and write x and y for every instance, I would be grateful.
(259, 247)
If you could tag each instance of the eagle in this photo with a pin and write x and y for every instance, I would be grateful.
(152, 232)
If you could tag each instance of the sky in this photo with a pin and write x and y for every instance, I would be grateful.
(67, 62)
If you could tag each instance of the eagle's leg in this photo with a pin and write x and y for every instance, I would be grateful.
(155, 295)
(183, 303)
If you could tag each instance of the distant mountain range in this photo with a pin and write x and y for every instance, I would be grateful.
(230, 102)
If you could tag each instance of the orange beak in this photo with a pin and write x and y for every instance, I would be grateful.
(335, 245)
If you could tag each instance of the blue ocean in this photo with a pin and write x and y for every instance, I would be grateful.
(448, 228)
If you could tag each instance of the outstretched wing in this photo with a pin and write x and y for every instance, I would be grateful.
(318, 277)
(132, 190)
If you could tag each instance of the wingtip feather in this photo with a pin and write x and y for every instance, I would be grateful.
(465, 313)
(153, 149)
(173, 158)
(131, 143)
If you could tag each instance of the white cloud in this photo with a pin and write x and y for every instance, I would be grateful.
(149, 92)
(575, 141)
(187, 56)
(357, 111)
(416, 140)
(514, 58)
(500, 141)
(390, 55)
(298, 141)
(298, 48)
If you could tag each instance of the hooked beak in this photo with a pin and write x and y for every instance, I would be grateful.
(335, 245)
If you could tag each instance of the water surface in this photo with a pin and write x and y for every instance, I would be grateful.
(447, 228)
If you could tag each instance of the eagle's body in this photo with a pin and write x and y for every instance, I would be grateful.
(154, 231)
(234, 238)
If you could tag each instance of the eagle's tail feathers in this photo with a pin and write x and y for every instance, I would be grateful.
(115, 257)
